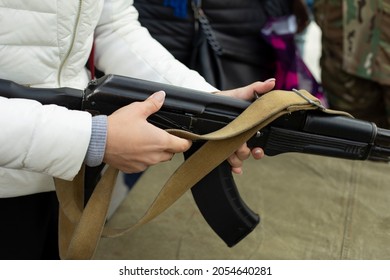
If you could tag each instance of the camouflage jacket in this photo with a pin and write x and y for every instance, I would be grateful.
(365, 36)
(367, 39)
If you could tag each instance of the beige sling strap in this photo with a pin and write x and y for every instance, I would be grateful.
(81, 229)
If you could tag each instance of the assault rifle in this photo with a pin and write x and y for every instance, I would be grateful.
(216, 195)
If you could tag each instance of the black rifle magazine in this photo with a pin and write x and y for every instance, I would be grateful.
(220, 203)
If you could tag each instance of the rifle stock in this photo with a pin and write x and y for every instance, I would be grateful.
(216, 195)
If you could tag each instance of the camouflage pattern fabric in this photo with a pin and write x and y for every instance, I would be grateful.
(367, 38)
(355, 56)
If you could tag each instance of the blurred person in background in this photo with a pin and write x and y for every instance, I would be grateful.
(355, 58)
(244, 55)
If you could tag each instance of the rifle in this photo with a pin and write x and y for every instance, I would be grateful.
(216, 195)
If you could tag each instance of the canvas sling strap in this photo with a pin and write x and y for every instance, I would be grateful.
(82, 227)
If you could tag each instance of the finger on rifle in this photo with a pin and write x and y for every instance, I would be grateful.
(257, 153)
(248, 92)
(154, 103)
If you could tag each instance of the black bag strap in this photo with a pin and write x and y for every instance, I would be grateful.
(201, 21)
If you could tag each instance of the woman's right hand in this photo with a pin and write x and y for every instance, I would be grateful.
(133, 144)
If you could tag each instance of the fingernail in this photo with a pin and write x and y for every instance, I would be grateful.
(270, 80)
(258, 152)
(159, 96)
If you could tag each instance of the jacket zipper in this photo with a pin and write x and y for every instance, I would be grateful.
(71, 45)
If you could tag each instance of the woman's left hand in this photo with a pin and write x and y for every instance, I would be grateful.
(236, 160)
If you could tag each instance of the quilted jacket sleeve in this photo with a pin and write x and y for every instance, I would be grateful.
(46, 139)
(124, 47)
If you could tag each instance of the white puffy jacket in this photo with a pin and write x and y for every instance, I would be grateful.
(46, 43)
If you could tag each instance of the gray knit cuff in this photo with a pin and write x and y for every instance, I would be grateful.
(97, 145)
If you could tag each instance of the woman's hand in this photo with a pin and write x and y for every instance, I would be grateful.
(133, 144)
(236, 160)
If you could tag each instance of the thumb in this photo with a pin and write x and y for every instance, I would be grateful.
(154, 102)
